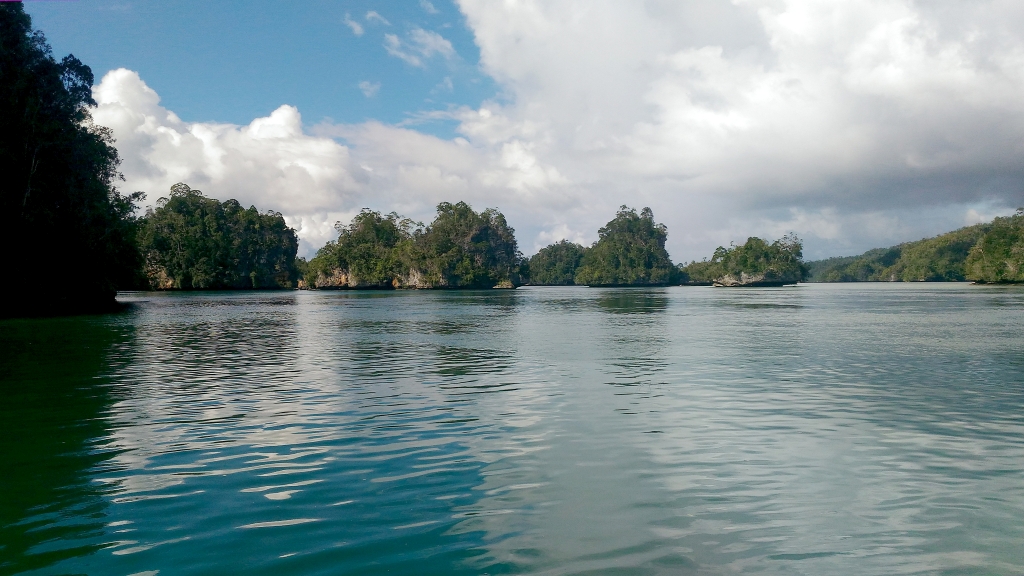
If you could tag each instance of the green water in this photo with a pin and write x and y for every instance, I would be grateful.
(823, 429)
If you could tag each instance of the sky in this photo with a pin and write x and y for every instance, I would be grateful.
(853, 124)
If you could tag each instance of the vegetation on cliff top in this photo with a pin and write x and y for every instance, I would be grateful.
(556, 264)
(57, 196)
(755, 262)
(630, 251)
(193, 242)
(461, 248)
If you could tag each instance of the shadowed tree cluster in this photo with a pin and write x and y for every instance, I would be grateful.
(556, 265)
(60, 214)
(193, 242)
(461, 248)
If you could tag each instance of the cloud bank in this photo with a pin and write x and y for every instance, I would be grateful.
(853, 124)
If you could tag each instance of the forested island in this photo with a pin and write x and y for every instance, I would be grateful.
(461, 248)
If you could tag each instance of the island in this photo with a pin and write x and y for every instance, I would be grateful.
(755, 263)
(630, 251)
(461, 248)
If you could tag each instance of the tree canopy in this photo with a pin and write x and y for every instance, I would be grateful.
(630, 251)
(193, 242)
(556, 264)
(937, 259)
(755, 262)
(999, 255)
(60, 213)
(461, 248)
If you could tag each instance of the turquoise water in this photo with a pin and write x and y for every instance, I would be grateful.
(821, 429)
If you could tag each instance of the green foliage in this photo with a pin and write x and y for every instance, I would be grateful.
(556, 265)
(937, 259)
(194, 242)
(782, 260)
(459, 249)
(60, 214)
(630, 251)
(465, 249)
(367, 248)
(999, 255)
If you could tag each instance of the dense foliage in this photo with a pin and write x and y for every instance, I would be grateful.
(556, 265)
(778, 262)
(194, 242)
(461, 248)
(60, 214)
(369, 249)
(999, 255)
(465, 249)
(630, 251)
(937, 259)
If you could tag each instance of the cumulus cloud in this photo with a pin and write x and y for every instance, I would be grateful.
(420, 45)
(853, 124)
(269, 163)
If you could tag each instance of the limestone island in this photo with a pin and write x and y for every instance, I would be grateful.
(755, 263)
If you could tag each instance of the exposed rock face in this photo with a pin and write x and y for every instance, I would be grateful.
(763, 279)
(341, 279)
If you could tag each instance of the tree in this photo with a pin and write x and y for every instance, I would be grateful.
(630, 251)
(465, 249)
(754, 263)
(63, 223)
(367, 250)
(556, 265)
(998, 257)
(193, 242)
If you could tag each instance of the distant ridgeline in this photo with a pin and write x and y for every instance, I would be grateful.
(191, 242)
(630, 251)
(461, 248)
(754, 263)
(983, 253)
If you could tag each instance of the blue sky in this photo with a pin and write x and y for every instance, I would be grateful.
(232, 61)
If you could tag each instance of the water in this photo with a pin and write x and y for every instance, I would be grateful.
(823, 429)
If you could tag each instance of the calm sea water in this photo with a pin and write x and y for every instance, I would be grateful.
(823, 429)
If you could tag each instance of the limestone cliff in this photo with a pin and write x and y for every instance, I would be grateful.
(761, 279)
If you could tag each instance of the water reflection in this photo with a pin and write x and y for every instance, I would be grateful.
(55, 399)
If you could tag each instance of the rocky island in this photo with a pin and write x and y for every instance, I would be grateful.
(755, 263)
(461, 248)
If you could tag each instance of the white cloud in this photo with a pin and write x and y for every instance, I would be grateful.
(420, 45)
(356, 27)
(428, 7)
(853, 124)
(372, 16)
(269, 163)
(368, 88)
